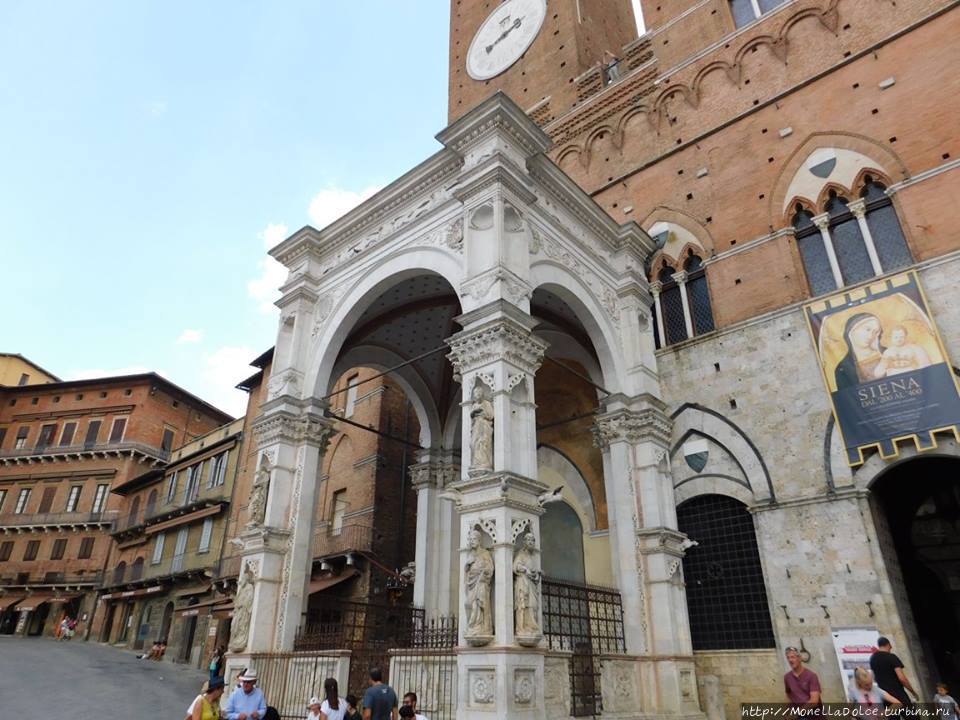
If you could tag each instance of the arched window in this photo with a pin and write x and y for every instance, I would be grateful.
(151, 504)
(852, 256)
(136, 570)
(746, 11)
(134, 517)
(671, 307)
(884, 227)
(698, 295)
(118, 573)
(726, 595)
(850, 242)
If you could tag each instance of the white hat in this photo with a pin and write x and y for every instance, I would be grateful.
(250, 675)
(314, 701)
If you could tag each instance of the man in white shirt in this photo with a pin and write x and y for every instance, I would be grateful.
(410, 701)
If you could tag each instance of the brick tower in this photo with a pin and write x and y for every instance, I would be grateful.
(533, 51)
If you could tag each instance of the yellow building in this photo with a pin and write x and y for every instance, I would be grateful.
(15, 369)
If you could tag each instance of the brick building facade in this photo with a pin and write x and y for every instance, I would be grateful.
(767, 148)
(63, 447)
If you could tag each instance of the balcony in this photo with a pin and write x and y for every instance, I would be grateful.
(150, 515)
(52, 580)
(21, 522)
(38, 453)
(328, 542)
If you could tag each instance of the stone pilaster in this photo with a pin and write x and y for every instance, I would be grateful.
(436, 560)
(291, 438)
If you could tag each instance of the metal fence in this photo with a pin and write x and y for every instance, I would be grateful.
(432, 675)
(587, 621)
(289, 680)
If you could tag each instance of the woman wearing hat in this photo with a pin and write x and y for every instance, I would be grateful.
(208, 707)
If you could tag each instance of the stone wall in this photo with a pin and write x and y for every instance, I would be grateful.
(744, 675)
(819, 546)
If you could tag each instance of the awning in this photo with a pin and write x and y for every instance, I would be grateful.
(192, 590)
(7, 603)
(32, 602)
(321, 584)
(183, 519)
(132, 593)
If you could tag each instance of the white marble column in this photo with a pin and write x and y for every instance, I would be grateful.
(647, 550)
(823, 224)
(438, 531)
(277, 555)
(859, 210)
(500, 673)
(655, 289)
(681, 279)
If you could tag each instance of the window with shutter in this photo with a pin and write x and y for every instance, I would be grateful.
(46, 500)
(3, 436)
(205, 535)
(3, 498)
(158, 548)
(99, 498)
(116, 432)
(172, 487)
(6, 550)
(47, 433)
(22, 433)
(74, 498)
(69, 430)
(93, 433)
(59, 549)
(22, 501)
(166, 444)
(86, 548)
(33, 547)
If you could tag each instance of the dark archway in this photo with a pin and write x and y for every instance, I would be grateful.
(917, 511)
(165, 623)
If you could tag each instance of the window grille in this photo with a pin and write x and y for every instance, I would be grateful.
(698, 295)
(885, 228)
(671, 304)
(726, 595)
(848, 244)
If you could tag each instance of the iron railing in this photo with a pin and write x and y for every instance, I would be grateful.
(54, 519)
(432, 675)
(328, 542)
(52, 578)
(205, 496)
(587, 621)
(38, 449)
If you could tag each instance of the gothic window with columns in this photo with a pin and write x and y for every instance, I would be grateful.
(682, 306)
(850, 241)
(746, 11)
(726, 595)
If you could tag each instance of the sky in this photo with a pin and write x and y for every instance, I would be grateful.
(151, 152)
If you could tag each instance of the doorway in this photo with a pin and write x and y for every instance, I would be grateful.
(108, 623)
(165, 623)
(916, 507)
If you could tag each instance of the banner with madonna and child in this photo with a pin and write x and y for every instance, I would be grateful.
(884, 366)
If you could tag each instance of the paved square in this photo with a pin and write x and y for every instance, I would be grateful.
(44, 678)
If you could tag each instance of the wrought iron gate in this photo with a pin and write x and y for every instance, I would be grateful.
(587, 621)
(288, 680)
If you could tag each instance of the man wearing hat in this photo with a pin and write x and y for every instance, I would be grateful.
(247, 702)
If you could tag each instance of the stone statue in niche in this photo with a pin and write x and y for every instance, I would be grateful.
(526, 592)
(481, 430)
(478, 581)
(242, 609)
(257, 508)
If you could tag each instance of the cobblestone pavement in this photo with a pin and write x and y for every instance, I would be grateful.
(41, 678)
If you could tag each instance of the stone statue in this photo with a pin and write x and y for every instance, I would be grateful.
(481, 430)
(478, 579)
(257, 508)
(242, 608)
(526, 592)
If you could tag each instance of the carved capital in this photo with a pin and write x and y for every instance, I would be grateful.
(656, 287)
(437, 475)
(858, 208)
(283, 426)
(633, 427)
(680, 277)
(822, 221)
(500, 339)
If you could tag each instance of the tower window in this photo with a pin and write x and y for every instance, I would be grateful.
(746, 11)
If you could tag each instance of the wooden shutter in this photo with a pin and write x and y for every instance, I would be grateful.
(116, 432)
(93, 430)
(46, 501)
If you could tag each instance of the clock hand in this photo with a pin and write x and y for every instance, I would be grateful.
(516, 23)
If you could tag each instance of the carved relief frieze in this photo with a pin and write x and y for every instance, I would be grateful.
(524, 686)
(500, 340)
(633, 427)
(483, 685)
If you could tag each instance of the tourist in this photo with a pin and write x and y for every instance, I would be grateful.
(333, 706)
(203, 691)
(888, 672)
(946, 705)
(869, 696)
(247, 701)
(208, 707)
(410, 701)
(380, 701)
(64, 629)
(313, 709)
(801, 685)
(353, 711)
(240, 675)
(216, 662)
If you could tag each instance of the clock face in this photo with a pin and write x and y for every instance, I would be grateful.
(504, 37)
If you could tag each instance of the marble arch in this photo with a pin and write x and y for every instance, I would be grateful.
(539, 236)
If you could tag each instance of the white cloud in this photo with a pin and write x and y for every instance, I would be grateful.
(94, 373)
(157, 107)
(265, 287)
(221, 371)
(328, 205)
(190, 336)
